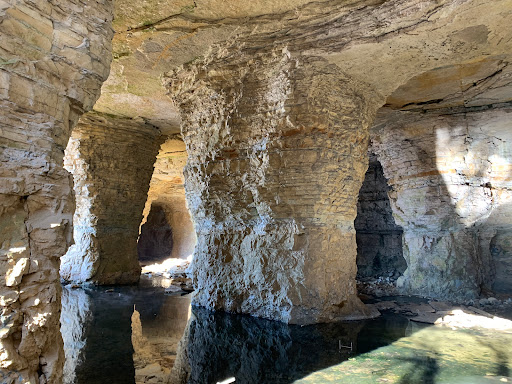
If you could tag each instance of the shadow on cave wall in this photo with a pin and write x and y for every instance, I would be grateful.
(457, 236)
(379, 239)
(155, 240)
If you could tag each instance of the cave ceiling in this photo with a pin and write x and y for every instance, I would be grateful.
(417, 54)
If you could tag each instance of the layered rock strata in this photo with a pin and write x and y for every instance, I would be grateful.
(111, 160)
(450, 174)
(53, 59)
(379, 239)
(167, 195)
(277, 153)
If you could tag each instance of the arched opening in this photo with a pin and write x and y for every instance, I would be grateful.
(379, 238)
(167, 230)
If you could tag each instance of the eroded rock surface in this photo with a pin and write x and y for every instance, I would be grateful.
(53, 59)
(272, 181)
(449, 170)
(111, 160)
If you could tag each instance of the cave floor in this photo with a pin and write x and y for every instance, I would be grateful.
(141, 334)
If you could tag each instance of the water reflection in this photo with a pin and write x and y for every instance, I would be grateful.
(142, 335)
(251, 350)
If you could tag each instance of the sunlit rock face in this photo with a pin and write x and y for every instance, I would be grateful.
(449, 172)
(111, 160)
(272, 181)
(276, 133)
(167, 202)
(53, 59)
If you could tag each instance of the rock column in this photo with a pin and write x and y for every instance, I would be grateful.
(277, 154)
(111, 160)
(53, 60)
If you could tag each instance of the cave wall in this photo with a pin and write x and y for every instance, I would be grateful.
(277, 152)
(450, 175)
(167, 192)
(379, 239)
(53, 60)
(111, 160)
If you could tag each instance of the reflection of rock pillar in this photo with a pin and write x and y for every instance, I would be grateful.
(277, 154)
(111, 161)
(45, 85)
(439, 168)
(73, 327)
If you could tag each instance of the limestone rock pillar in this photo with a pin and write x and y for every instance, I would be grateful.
(277, 154)
(53, 60)
(111, 160)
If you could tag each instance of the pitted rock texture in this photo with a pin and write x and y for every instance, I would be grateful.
(53, 59)
(111, 160)
(272, 181)
(379, 239)
(167, 193)
(450, 174)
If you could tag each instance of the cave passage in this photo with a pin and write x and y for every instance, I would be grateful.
(155, 241)
(378, 237)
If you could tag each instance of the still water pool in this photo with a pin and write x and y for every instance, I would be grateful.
(140, 334)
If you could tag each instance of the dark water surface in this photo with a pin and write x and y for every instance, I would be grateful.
(142, 335)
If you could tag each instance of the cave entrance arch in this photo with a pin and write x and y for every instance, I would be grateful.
(378, 237)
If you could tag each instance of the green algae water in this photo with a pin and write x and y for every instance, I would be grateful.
(143, 335)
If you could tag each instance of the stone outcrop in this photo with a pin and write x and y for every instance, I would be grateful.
(272, 181)
(449, 172)
(277, 141)
(167, 196)
(111, 160)
(53, 59)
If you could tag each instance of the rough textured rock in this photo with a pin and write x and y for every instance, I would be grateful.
(272, 182)
(379, 239)
(53, 59)
(276, 141)
(449, 170)
(111, 160)
(167, 192)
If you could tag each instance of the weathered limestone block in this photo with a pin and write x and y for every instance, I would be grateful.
(450, 173)
(111, 160)
(53, 59)
(277, 154)
(167, 193)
